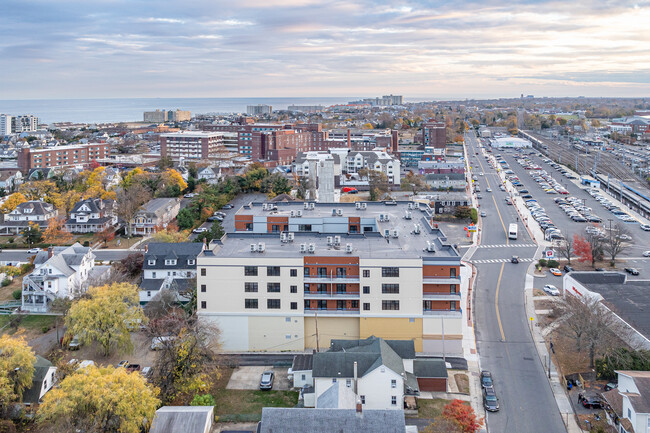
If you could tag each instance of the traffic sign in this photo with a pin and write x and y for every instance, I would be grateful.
(550, 254)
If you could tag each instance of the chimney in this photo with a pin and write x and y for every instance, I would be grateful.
(50, 251)
(355, 377)
(359, 408)
(205, 244)
(146, 248)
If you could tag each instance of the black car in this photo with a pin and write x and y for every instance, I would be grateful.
(568, 268)
(514, 259)
(266, 382)
(490, 400)
(591, 403)
(632, 271)
(486, 379)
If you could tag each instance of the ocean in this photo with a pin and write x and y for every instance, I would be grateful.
(131, 109)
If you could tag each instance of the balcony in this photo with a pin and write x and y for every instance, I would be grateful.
(331, 295)
(444, 313)
(331, 311)
(441, 280)
(331, 279)
(441, 296)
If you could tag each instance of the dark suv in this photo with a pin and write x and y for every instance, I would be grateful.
(490, 400)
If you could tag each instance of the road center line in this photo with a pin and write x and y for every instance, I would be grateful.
(496, 303)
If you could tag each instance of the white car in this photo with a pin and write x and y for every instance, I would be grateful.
(200, 230)
(645, 227)
(646, 254)
(33, 250)
(551, 290)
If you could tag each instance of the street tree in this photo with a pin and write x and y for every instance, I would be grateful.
(566, 247)
(32, 233)
(616, 242)
(16, 368)
(443, 425)
(100, 399)
(105, 316)
(106, 235)
(462, 414)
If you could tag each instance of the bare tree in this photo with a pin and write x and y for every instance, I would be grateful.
(129, 201)
(566, 247)
(617, 241)
(596, 245)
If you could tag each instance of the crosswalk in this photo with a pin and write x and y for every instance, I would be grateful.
(508, 246)
(480, 261)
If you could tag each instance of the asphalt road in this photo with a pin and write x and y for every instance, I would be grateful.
(504, 343)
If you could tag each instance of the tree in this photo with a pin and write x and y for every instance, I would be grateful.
(463, 416)
(186, 218)
(12, 202)
(566, 247)
(215, 232)
(171, 235)
(377, 182)
(414, 182)
(463, 212)
(129, 201)
(16, 368)
(131, 265)
(615, 242)
(45, 190)
(103, 399)
(164, 163)
(622, 358)
(588, 249)
(106, 235)
(55, 232)
(171, 177)
(32, 233)
(105, 316)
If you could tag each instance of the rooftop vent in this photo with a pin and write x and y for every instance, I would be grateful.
(364, 205)
(395, 233)
(291, 237)
(339, 212)
(305, 205)
(330, 240)
(431, 247)
(261, 247)
(337, 240)
(312, 206)
(348, 248)
(312, 248)
(408, 215)
(303, 248)
(416, 230)
(253, 248)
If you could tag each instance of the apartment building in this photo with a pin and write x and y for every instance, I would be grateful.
(24, 123)
(163, 116)
(5, 125)
(62, 156)
(192, 145)
(258, 110)
(294, 276)
(434, 134)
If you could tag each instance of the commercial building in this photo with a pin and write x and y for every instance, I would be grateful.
(355, 269)
(511, 143)
(434, 134)
(62, 156)
(192, 145)
(382, 101)
(259, 110)
(162, 116)
(306, 108)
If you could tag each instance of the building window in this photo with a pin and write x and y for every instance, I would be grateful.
(348, 383)
(321, 272)
(390, 288)
(393, 383)
(250, 287)
(452, 305)
(273, 287)
(250, 271)
(204, 305)
(170, 262)
(306, 270)
(366, 306)
(307, 304)
(304, 228)
(273, 271)
(203, 272)
(203, 288)
(393, 400)
(366, 273)
(366, 290)
(452, 272)
(321, 288)
(390, 305)
(191, 262)
(294, 305)
(273, 304)
(293, 272)
(363, 399)
(293, 289)
(390, 272)
(250, 303)
(452, 288)
(341, 288)
(333, 380)
(341, 272)
(275, 228)
(249, 227)
(152, 262)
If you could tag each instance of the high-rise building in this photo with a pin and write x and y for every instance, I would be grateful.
(24, 123)
(192, 145)
(259, 110)
(162, 116)
(434, 134)
(294, 275)
(5, 125)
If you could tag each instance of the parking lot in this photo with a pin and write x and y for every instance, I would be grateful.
(249, 378)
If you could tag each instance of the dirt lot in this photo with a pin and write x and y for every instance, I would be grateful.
(249, 378)
(141, 353)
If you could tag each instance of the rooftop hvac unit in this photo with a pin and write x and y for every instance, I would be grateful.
(264, 206)
(303, 248)
(364, 205)
(416, 205)
(330, 240)
(273, 207)
(333, 212)
(298, 213)
(312, 206)
(339, 212)
(381, 217)
(431, 247)
(305, 205)
(348, 248)
(291, 236)
(387, 217)
(408, 215)
(386, 233)
(312, 248)
(261, 247)
(357, 205)
(292, 213)
(417, 229)
(395, 233)
(253, 248)
(410, 205)
(283, 237)
(337, 240)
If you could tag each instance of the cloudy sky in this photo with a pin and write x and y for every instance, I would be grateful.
(272, 48)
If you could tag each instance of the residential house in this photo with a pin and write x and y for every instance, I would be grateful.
(35, 211)
(91, 216)
(42, 382)
(59, 272)
(630, 402)
(301, 369)
(359, 420)
(210, 174)
(155, 213)
(10, 179)
(168, 267)
(186, 419)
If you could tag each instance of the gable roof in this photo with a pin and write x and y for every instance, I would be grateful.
(37, 207)
(404, 348)
(94, 205)
(63, 258)
(41, 367)
(300, 420)
(181, 252)
(431, 368)
(187, 419)
(302, 362)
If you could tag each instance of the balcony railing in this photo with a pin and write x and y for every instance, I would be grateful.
(319, 278)
(331, 295)
(445, 313)
(441, 280)
(441, 296)
(331, 311)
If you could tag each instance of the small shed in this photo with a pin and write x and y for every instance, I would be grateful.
(431, 374)
(186, 419)
(301, 368)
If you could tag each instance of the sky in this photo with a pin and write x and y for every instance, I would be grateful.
(277, 48)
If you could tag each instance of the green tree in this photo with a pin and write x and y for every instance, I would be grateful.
(32, 233)
(164, 163)
(215, 232)
(105, 316)
(186, 218)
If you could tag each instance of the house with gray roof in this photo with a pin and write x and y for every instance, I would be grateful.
(630, 401)
(209, 174)
(59, 272)
(155, 213)
(186, 419)
(42, 382)
(34, 211)
(169, 266)
(92, 215)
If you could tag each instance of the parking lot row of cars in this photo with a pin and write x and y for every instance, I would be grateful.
(551, 232)
(615, 210)
(577, 210)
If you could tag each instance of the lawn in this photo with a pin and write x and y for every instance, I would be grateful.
(432, 408)
(32, 323)
(246, 405)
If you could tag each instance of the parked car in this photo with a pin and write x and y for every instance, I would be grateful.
(646, 254)
(190, 195)
(200, 230)
(266, 381)
(128, 366)
(486, 379)
(568, 268)
(33, 250)
(227, 206)
(645, 227)
(551, 290)
(490, 400)
(483, 213)
(633, 271)
(592, 403)
(146, 372)
(610, 386)
(556, 272)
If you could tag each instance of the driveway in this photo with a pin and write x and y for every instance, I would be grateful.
(249, 378)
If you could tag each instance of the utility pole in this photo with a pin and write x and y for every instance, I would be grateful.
(316, 320)
(550, 354)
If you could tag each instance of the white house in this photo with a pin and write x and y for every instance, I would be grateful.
(631, 401)
(59, 272)
(91, 216)
(43, 380)
(210, 174)
(35, 211)
(10, 179)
